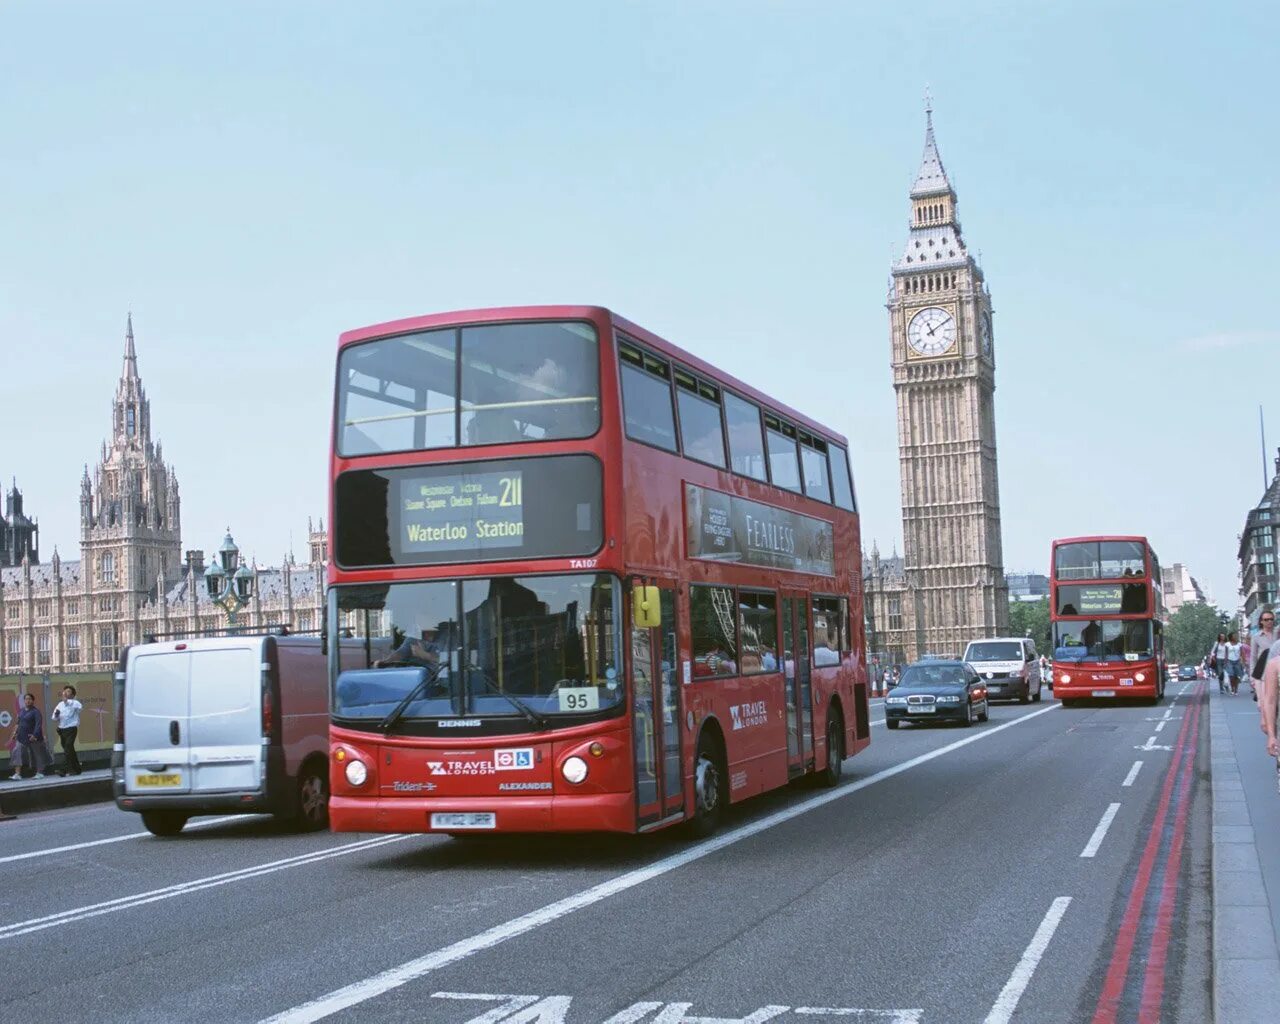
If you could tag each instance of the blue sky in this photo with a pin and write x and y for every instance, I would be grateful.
(253, 179)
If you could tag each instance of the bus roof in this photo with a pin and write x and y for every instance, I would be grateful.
(1101, 537)
(515, 313)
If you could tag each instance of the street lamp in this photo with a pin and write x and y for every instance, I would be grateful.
(230, 583)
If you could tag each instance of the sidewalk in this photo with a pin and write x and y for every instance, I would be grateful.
(1246, 865)
(91, 786)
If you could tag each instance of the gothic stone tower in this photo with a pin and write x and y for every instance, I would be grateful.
(129, 513)
(944, 375)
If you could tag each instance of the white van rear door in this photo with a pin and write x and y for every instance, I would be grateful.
(157, 712)
(226, 719)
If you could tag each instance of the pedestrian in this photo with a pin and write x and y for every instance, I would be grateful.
(67, 715)
(1218, 660)
(1235, 668)
(1268, 699)
(30, 735)
(1262, 640)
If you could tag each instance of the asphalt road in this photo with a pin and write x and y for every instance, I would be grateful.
(1021, 870)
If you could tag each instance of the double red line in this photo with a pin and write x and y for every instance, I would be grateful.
(1180, 773)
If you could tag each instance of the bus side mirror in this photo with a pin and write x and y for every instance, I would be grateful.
(646, 607)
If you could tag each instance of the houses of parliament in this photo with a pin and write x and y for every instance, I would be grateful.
(133, 579)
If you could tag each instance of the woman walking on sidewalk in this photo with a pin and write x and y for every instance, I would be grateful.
(1235, 669)
(1261, 651)
(1218, 660)
(1267, 701)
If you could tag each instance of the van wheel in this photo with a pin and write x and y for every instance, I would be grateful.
(1039, 693)
(830, 775)
(313, 800)
(710, 791)
(164, 823)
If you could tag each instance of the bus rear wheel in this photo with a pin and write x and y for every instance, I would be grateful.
(830, 775)
(710, 790)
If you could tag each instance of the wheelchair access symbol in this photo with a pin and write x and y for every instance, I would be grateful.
(514, 759)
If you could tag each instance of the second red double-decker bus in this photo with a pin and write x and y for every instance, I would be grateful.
(1106, 612)
(580, 580)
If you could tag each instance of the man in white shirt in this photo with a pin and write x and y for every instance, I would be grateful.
(67, 715)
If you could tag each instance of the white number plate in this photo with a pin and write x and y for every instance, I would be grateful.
(920, 709)
(464, 819)
(579, 698)
(1126, 682)
(1104, 693)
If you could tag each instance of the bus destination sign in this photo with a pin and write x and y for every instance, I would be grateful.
(468, 511)
(725, 528)
(1107, 599)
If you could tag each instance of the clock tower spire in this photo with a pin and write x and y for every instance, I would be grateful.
(943, 364)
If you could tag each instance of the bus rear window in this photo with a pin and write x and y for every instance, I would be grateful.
(489, 384)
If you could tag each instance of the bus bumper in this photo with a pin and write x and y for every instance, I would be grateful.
(594, 812)
(1101, 685)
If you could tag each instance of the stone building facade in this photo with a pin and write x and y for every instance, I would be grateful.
(1259, 542)
(19, 534)
(133, 579)
(943, 361)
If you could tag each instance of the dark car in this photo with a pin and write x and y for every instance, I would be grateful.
(1186, 672)
(937, 691)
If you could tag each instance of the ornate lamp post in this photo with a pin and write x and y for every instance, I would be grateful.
(230, 583)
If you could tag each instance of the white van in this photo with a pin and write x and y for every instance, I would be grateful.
(223, 725)
(1009, 665)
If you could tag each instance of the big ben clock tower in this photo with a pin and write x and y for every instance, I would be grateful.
(944, 375)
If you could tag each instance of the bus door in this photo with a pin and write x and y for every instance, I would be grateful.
(797, 681)
(655, 716)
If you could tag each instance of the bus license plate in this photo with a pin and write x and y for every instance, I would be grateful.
(466, 819)
(1104, 693)
(158, 781)
(920, 709)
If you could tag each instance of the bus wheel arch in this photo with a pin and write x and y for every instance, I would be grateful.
(710, 780)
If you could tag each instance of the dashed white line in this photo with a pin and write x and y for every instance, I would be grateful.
(386, 981)
(1100, 833)
(1133, 774)
(113, 839)
(1007, 1001)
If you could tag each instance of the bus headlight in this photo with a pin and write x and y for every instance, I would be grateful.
(1064, 677)
(356, 772)
(1140, 677)
(574, 770)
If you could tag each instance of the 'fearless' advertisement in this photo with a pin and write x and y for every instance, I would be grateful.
(725, 528)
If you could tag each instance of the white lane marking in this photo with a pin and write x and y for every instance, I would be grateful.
(1133, 774)
(891, 1016)
(392, 978)
(1152, 745)
(12, 931)
(1160, 726)
(1100, 833)
(114, 839)
(1007, 1000)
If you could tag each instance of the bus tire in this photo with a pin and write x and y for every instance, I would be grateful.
(830, 775)
(312, 812)
(710, 788)
(164, 823)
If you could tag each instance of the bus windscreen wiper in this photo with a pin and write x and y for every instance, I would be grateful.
(398, 711)
(540, 721)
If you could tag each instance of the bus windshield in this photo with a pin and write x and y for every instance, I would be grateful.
(488, 384)
(1100, 560)
(531, 646)
(1102, 640)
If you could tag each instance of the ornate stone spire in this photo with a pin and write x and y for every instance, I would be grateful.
(931, 179)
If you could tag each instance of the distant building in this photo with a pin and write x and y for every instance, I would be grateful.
(1027, 586)
(19, 536)
(1257, 552)
(132, 579)
(1180, 587)
(885, 595)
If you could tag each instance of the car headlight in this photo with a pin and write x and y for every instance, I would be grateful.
(356, 773)
(949, 700)
(574, 770)
(895, 700)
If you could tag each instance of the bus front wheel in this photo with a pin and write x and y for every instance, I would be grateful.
(710, 790)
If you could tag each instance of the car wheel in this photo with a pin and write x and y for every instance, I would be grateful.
(1025, 696)
(830, 775)
(313, 800)
(968, 715)
(892, 723)
(1039, 692)
(164, 823)
(710, 790)
(986, 712)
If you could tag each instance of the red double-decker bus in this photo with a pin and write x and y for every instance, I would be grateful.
(1106, 610)
(579, 580)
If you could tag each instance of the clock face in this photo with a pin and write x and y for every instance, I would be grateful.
(986, 333)
(932, 331)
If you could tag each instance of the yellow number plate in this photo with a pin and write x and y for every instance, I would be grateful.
(159, 780)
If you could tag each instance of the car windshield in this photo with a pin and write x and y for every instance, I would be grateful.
(1105, 640)
(489, 384)
(529, 646)
(995, 650)
(933, 675)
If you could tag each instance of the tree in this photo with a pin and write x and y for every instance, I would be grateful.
(1031, 618)
(1191, 631)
